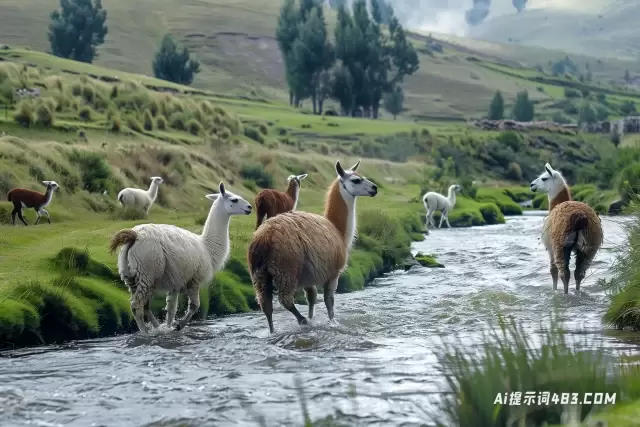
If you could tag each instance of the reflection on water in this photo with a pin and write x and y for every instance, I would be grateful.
(384, 341)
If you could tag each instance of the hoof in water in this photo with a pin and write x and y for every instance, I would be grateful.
(177, 327)
(303, 321)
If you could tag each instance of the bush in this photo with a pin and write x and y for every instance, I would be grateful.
(253, 133)
(116, 124)
(134, 124)
(256, 172)
(24, 116)
(571, 93)
(628, 181)
(95, 171)
(177, 121)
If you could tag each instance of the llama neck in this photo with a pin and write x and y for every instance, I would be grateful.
(153, 191)
(215, 233)
(48, 195)
(340, 210)
(452, 196)
(559, 196)
(293, 190)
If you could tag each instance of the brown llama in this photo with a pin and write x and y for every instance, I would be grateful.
(301, 250)
(271, 202)
(571, 226)
(25, 198)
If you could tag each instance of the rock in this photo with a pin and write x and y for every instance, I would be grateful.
(409, 262)
(615, 208)
(428, 261)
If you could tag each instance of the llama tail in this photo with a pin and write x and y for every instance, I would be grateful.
(426, 203)
(122, 237)
(261, 213)
(257, 258)
(578, 230)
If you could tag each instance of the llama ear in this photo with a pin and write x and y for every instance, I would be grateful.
(301, 177)
(339, 169)
(354, 167)
(46, 182)
(221, 188)
(213, 197)
(548, 168)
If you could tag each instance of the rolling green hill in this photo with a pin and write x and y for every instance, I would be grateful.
(234, 40)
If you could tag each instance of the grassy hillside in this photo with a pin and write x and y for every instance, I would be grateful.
(603, 28)
(235, 43)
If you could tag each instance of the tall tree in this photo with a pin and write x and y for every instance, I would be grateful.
(286, 34)
(77, 29)
(394, 101)
(174, 64)
(496, 108)
(523, 109)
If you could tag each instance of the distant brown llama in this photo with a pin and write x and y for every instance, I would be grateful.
(571, 226)
(25, 198)
(271, 202)
(301, 250)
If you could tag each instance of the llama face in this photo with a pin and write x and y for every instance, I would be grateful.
(297, 178)
(156, 180)
(233, 204)
(457, 188)
(547, 181)
(354, 183)
(52, 185)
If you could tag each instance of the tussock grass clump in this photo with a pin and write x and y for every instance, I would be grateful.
(116, 124)
(24, 114)
(177, 121)
(161, 123)
(134, 124)
(147, 120)
(253, 133)
(44, 115)
(194, 127)
(85, 113)
(511, 361)
(257, 173)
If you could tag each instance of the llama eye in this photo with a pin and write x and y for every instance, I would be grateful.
(234, 200)
(356, 180)
(544, 179)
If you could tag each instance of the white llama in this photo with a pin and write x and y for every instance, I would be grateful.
(130, 197)
(166, 257)
(437, 202)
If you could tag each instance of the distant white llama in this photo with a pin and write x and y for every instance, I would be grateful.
(166, 257)
(437, 202)
(134, 197)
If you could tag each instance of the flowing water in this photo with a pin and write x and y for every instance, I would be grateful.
(385, 343)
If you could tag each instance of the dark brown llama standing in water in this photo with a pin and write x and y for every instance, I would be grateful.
(24, 198)
(270, 202)
(299, 250)
(571, 226)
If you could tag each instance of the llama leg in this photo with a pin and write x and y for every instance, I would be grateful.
(37, 217)
(442, 215)
(14, 212)
(43, 212)
(286, 293)
(263, 286)
(193, 292)
(172, 307)
(150, 315)
(562, 255)
(554, 271)
(312, 297)
(446, 218)
(21, 217)
(140, 295)
(329, 292)
(583, 261)
(430, 217)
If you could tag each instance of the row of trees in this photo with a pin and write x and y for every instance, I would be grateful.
(357, 69)
(80, 26)
(523, 107)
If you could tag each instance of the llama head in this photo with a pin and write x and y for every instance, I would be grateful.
(457, 188)
(297, 178)
(51, 185)
(156, 180)
(232, 203)
(550, 181)
(354, 183)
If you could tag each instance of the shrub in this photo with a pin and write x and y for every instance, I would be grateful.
(571, 93)
(194, 127)
(628, 181)
(256, 172)
(116, 124)
(177, 121)
(147, 120)
(44, 116)
(161, 123)
(263, 129)
(24, 115)
(85, 113)
(253, 133)
(88, 94)
(95, 171)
